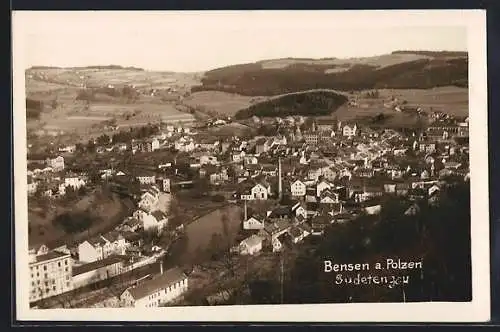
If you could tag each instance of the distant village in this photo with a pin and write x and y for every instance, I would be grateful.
(289, 186)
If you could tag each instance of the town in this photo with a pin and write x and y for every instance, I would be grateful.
(266, 191)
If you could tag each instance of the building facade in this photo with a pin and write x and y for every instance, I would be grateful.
(50, 274)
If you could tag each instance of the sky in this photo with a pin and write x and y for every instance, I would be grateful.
(195, 41)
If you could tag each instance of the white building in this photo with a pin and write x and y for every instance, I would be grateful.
(254, 222)
(146, 179)
(57, 164)
(298, 188)
(158, 291)
(101, 247)
(50, 273)
(259, 191)
(251, 245)
(76, 182)
(155, 220)
(350, 131)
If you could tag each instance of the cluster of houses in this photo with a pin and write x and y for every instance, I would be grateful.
(349, 182)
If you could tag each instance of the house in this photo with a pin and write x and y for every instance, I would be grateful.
(68, 149)
(261, 146)
(90, 273)
(322, 186)
(269, 170)
(254, 222)
(238, 157)
(146, 179)
(208, 160)
(311, 138)
(298, 188)
(372, 208)
(75, 182)
(116, 244)
(250, 160)
(160, 290)
(131, 224)
(150, 145)
(152, 221)
(251, 245)
(149, 199)
(328, 197)
(57, 164)
(349, 131)
(219, 177)
(91, 250)
(102, 246)
(427, 147)
(299, 209)
(165, 185)
(253, 190)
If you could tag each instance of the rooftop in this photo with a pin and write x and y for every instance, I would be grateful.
(49, 256)
(151, 286)
(98, 264)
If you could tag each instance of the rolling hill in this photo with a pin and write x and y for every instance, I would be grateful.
(309, 103)
(398, 70)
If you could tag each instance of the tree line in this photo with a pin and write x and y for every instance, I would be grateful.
(253, 80)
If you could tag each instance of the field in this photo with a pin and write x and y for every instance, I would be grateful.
(450, 100)
(77, 77)
(344, 64)
(232, 129)
(221, 102)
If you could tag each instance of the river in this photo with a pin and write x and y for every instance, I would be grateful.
(199, 232)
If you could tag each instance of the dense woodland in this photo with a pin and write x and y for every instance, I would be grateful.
(306, 104)
(253, 80)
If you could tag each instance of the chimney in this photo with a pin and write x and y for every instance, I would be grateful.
(280, 189)
(246, 213)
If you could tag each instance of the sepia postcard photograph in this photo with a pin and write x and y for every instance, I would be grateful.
(286, 166)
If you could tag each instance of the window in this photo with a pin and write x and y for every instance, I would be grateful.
(32, 283)
(59, 264)
(65, 262)
(46, 283)
(45, 275)
(66, 269)
(37, 274)
(54, 288)
(67, 284)
(45, 267)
